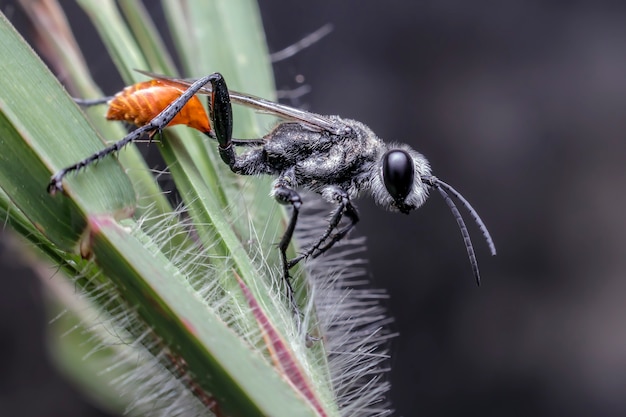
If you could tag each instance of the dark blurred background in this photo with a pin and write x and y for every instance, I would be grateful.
(519, 105)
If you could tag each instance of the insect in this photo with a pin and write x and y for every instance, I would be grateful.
(335, 157)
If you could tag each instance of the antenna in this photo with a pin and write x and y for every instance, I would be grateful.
(443, 189)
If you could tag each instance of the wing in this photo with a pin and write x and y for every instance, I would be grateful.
(310, 120)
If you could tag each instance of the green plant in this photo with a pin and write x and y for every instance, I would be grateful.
(179, 309)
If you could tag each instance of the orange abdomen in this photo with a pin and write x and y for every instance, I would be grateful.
(139, 103)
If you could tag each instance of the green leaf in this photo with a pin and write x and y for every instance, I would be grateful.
(221, 362)
(42, 131)
(170, 286)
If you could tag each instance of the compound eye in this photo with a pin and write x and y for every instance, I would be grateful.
(398, 173)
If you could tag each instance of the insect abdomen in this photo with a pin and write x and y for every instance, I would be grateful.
(138, 104)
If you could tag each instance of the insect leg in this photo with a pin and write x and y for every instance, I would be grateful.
(284, 194)
(239, 142)
(346, 207)
(353, 215)
(88, 102)
(156, 124)
(221, 114)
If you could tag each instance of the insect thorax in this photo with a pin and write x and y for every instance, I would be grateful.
(321, 158)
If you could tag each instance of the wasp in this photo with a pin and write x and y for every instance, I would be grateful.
(334, 157)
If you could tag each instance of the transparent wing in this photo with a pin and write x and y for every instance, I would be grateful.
(311, 120)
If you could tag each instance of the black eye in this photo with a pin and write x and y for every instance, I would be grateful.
(398, 173)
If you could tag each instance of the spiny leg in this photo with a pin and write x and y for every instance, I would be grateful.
(155, 125)
(239, 142)
(88, 102)
(353, 216)
(344, 206)
(284, 194)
